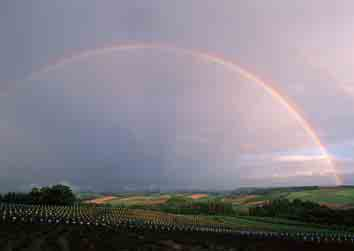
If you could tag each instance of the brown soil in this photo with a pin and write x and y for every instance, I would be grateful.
(198, 196)
(101, 200)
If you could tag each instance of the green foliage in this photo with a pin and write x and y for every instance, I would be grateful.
(54, 195)
(266, 191)
(336, 196)
(304, 211)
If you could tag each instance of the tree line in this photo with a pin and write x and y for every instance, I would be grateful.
(48, 195)
(305, 211)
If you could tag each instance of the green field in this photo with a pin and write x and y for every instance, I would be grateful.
(202, 205)
(271, 224)
(338, 197)
(333, 197)
(157, 199)
(139, 200)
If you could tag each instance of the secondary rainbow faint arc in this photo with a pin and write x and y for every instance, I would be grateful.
(210, 58)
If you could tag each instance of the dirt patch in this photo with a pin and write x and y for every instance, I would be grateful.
(101, 200)
(198, 196)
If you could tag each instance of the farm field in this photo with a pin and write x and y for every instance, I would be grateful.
(338, 197)
(47, 237)
(91, 222)
(101, 200)
(124, 217)
(139, 200)
(148, 200)
(171, 221)
(331, 197)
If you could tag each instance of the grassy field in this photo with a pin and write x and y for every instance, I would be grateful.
(150, 199)
(341, 197)
(270, 224)
(337, 197)
(332, 197)
(242, 203)
(139, 200)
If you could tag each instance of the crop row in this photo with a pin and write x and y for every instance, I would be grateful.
(101, 216)
(144, 219)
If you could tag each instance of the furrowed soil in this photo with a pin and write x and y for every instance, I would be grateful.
(39, 237)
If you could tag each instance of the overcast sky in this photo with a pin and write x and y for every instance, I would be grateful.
(151, 117)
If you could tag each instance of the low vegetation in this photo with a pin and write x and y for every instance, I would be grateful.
(305, 211)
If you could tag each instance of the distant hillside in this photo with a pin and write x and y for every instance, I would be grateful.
(265, 190)
(341, 197)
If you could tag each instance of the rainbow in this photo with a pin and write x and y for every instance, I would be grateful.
(209, 58)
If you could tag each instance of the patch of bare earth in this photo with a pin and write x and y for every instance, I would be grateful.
(101, 200)
(198, 196)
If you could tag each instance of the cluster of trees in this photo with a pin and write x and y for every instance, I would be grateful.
(305, 211)
(50, 195)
